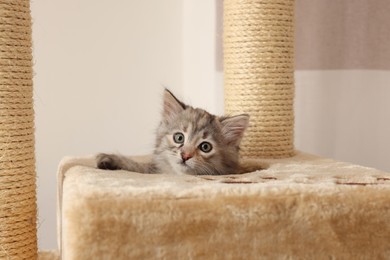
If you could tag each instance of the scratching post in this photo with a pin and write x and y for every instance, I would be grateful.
(17, 163)
(259, 73)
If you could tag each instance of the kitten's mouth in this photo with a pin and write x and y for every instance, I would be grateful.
(184, 165)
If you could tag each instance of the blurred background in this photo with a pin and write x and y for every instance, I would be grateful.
(100, 68)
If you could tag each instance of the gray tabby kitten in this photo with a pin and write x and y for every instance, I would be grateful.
(189, 141)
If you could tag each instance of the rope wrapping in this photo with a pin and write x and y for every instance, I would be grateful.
(259, 73)
(17, 160)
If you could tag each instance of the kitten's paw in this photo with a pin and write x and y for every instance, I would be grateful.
(106, 162)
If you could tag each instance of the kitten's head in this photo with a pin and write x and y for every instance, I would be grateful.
(193, 141)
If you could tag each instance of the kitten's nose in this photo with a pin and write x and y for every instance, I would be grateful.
(185, 156)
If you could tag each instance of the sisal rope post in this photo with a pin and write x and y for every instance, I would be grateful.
(259, 73)
(17, 161)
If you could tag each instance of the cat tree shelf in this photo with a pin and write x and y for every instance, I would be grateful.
(303, 207)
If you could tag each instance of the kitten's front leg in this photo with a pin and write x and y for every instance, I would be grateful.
(119, 162)
(246, 166)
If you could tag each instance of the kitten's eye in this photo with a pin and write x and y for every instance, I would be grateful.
(178, 138)
(205, 147)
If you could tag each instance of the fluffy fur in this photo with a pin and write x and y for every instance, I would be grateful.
(190, 141)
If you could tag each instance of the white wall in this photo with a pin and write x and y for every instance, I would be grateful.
(202, 81)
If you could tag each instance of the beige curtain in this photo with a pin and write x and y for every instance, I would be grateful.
(342, 34)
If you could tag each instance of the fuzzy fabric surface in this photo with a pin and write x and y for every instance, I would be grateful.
(304, 207)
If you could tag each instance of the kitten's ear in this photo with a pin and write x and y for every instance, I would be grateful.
(172, 106)
(233, 128)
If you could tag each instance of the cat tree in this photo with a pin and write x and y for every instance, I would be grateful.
(17, 163)
(302, 206)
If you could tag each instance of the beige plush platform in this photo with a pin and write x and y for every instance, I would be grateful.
(303, 207)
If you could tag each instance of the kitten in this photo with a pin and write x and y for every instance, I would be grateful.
(189, 141)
